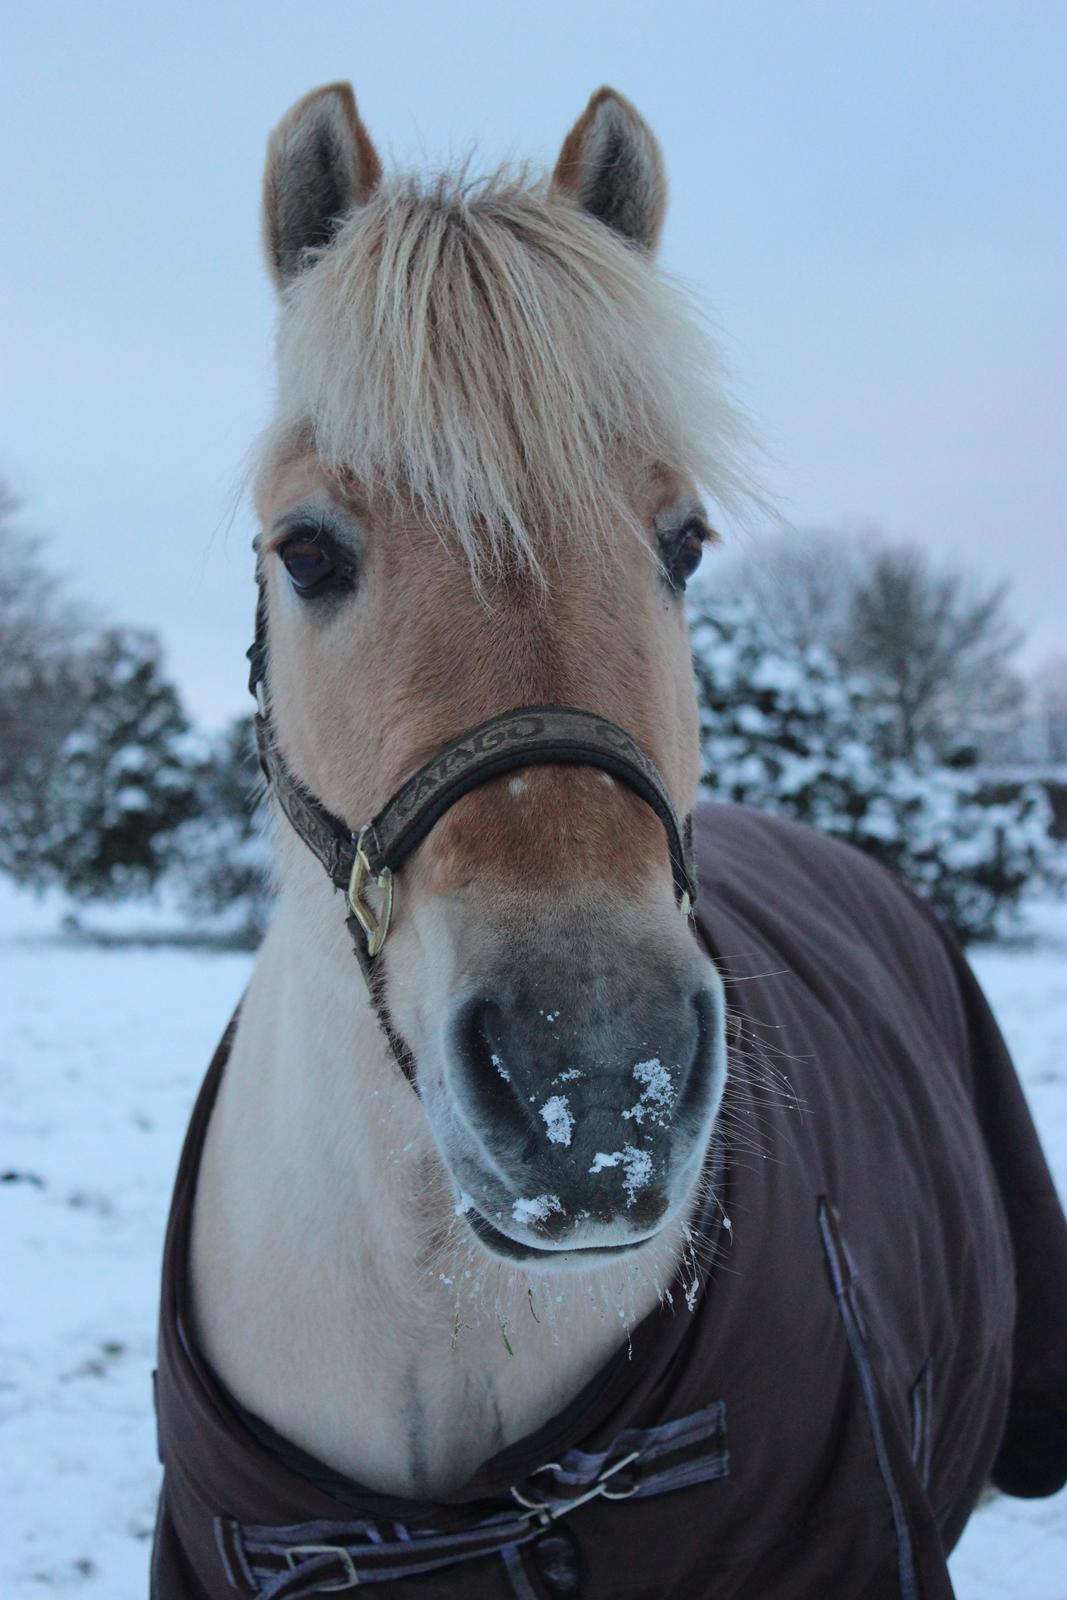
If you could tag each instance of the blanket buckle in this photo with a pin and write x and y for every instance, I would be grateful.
(297, 1553)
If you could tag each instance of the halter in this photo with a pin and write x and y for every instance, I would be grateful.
(355, 859)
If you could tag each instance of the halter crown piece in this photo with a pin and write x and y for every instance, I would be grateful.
(356, 859)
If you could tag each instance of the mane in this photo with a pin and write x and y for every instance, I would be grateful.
(488, 349)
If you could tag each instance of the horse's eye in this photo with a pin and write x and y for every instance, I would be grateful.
(683, 555)
(315, 566)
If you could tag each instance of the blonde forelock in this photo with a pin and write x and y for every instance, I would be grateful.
(488, 350)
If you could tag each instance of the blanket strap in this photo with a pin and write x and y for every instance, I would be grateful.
(288, 1563)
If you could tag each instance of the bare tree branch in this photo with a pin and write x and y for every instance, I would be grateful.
(934, 644)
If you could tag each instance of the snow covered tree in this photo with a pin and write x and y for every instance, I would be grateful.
(220, 859)
(782, 729)
(98, 819)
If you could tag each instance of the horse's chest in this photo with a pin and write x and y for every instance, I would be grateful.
(442, 1414)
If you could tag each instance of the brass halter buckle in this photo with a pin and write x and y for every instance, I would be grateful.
(375, 924)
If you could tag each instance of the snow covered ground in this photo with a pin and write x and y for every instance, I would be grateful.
(102, 1053)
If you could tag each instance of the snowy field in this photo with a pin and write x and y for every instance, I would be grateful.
(102, 1053)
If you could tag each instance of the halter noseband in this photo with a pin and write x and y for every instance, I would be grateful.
(527, 736)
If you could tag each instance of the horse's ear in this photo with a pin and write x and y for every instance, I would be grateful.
(320, 163)
(611, 165)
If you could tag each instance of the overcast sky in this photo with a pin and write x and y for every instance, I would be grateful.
(869, 197)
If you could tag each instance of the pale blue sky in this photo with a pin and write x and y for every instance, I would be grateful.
(869, 196)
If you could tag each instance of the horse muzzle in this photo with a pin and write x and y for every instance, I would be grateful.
(581, 1100)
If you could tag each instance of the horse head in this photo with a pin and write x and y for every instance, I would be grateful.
(479, 493)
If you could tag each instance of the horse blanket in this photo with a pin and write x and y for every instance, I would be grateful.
(879, 1324)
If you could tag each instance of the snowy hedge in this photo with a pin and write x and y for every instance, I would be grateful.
(784, 731)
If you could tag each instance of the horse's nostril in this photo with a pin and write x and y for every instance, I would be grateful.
(478, 1037)
(479, 1048)
(702, 1081)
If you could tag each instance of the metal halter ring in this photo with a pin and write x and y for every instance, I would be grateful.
(375, 924)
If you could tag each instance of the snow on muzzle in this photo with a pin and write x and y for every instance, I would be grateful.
(582, 1102)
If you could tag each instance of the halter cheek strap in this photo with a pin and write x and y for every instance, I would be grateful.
(363, 864)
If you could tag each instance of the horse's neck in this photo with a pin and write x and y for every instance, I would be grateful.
(335, 1290)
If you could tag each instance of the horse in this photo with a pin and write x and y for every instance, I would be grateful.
(572, 1188)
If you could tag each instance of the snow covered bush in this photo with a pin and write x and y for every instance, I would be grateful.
(784, 730)
(220, 864)
(94, 817)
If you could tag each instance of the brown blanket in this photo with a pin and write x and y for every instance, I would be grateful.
(884, 1323)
